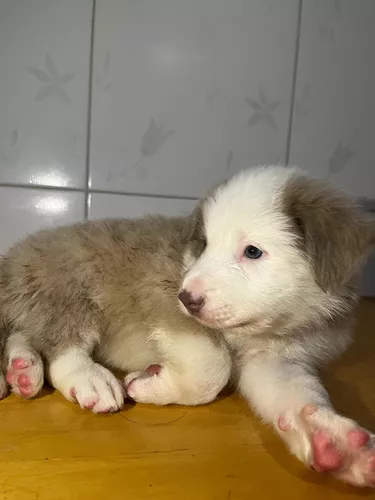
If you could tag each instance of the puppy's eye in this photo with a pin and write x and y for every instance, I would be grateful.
(252, 252)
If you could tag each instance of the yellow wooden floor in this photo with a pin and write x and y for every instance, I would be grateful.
(50, 449)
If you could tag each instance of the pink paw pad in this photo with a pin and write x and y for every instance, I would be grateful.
(358, 438)
(26, 392)
(283, 424)
(25, 374)
(20, 363)
(90, 405)
(326, 456)
(12, 376)
(23, 380)
(340, 446)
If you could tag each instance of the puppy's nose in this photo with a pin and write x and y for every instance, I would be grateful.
(192, 304)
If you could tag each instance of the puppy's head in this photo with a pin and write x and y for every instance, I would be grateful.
(271, 248)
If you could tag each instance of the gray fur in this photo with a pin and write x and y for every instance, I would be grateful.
(86, 284)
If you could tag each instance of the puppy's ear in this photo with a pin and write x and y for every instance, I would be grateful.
(335, 234)
(196, 237)
(197, 233)
(196, 222)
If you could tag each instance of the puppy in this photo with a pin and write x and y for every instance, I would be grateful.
(265, 272)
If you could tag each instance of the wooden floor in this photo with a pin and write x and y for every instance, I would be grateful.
(50, 449)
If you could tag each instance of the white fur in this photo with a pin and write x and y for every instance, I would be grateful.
(194, 370)
(277, 387)
(247, 211)
(77, 377)
(261, 304)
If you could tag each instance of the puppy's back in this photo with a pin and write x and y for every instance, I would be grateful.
(111, 268)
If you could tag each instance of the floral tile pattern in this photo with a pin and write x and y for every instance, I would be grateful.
(54, 83)
(262, 109)
(187, 88)
(44, 67)
(333, 132)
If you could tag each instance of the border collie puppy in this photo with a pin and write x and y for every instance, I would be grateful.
(257, 286)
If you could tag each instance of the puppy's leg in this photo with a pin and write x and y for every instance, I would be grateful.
(79, 379)
(25, 369)
(193, 370)
(66, 330)
(291, 398)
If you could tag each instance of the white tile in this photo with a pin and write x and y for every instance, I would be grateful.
(27, 210)
(104, 206)
(333, 133)
(44, 67)
(187, 92)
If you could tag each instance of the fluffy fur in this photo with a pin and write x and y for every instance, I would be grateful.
(103, 295)
(107, 292)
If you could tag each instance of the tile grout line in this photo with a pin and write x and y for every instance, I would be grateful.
(65, 189)
(367, 203)
(294, 83)
(89, 107)
(43, 187)
(145, 195)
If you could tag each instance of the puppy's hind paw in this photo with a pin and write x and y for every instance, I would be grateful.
(25, 374)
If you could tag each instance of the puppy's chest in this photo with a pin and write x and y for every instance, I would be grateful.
(246, 347)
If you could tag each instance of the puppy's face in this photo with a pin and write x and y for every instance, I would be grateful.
(252, 261)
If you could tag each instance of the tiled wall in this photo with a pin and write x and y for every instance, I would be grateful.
(124, 107)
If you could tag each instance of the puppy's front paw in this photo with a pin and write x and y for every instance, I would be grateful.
(329, 442)
(94, 388)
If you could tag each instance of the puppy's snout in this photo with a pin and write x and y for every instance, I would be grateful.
(192, 303)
